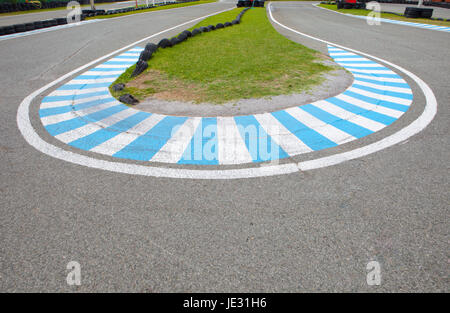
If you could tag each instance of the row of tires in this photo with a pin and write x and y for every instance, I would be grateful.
(90, 13)
(151, 48)
(20, 28)
(250, 3)
(23, 6)
(416, 12)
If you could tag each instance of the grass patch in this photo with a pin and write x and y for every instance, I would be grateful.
(249, 60)
(166, 7)
(386, 15)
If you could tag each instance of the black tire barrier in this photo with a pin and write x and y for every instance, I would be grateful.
(118, 87)
(19, 28)
(61, 21)
(8, 30)
(128, 99)
(182, 37)
(164, 43)
(234, 22)
(46, 23)
(140, 67)
(29, 26)
(174, 41)
(187, 33)
(196, 32)
(151, 47)
(145, 55)
(38, 25)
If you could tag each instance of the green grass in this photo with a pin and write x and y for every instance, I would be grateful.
(386, 15)
(171, 6)
(249, 60)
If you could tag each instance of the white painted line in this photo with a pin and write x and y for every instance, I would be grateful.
(93, 127)
(173, 150)
(56, 104)
(30, 135)
(232, 148)
(415, 127)
(281, 135)
(123, 139)
(371, 107)
(349, 116)
(327, 130)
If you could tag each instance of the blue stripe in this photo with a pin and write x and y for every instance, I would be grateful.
(311, 138)
(344, 125)
(76, 107)
(381, 83)
(344, 56)
(77, 122)
(99, 69)
(376, 74)
(96, 76)
(127, 63)
(356, 62)
(378, 68)
(203, 148)
(375, 116)
(387, 104)
(260, 145)
(147, 145)
(83, 86)
(127, 57)
(74, 97)
(104, 134)
(402, 95)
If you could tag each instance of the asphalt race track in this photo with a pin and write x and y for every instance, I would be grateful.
(308, 230)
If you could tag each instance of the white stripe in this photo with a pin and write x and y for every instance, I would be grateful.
(173, 150)
(370, 71)
(136, 49)
(327, 130)
(349, 116)
(90, 128)
(113, 66)
(341, 53)
(91, 81)
(352, 59)
(53, 119)
(122, 140)
(55, 104)
(77, 91)
(381, 79)
(281, 135)
(373, 64)
(125, 60)
(371, 107)
(103, 73)
(384, 87)
(231, 145)
(380, 97)
(130, 54)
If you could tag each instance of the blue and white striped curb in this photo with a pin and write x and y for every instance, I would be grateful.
(47, 29)
(83, 114)
(419, 25)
